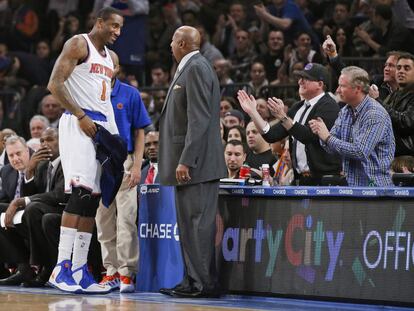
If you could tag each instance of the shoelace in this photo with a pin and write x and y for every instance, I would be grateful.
(125, 279)
(109, 278)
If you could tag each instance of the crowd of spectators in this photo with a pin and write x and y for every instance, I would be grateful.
(256, 46)
(288, 97)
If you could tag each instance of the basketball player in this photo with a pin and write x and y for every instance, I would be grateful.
(81, 82)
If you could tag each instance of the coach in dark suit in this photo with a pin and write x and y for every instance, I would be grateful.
(43, 192)
(310, 162)
(191, 158)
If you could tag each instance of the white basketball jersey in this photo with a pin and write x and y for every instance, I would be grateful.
(90, 82)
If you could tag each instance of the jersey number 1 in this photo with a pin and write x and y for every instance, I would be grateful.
(103, 94)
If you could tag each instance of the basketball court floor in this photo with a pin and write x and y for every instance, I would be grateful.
(24, 299)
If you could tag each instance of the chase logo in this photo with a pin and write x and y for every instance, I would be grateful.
(144, 189)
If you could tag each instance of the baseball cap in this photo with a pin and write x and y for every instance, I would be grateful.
(235, 113)
(313, 72)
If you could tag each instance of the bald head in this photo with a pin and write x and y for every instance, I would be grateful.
(185, 40)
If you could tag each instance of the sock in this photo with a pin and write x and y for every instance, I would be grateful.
(81, 249)
(67, 237)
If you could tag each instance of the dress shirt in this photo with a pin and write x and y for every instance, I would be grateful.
(363, 137)
(185, 59)
(301, 159)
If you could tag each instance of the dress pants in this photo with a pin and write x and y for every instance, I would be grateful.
(117, 229)
(196, 207)
(32, 219)
(13, 247)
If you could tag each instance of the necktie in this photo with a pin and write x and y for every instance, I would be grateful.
(294, 141)
(19, 184)
(49, 177)
(150, 175)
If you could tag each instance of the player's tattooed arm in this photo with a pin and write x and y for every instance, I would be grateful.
(73, 51)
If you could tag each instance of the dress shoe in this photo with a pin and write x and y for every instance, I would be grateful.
(4, 273)
(195, 294)
(166, 291)
(40, 280)
(18, 278)
(169, 291)
(36, 282)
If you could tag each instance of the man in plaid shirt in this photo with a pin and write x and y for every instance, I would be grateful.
(362, 134)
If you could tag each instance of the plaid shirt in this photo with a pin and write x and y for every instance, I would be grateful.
(363, 137)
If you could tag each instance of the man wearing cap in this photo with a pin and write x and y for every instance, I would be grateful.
(310, 161)
(233, 118)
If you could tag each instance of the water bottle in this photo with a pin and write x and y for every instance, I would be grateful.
(265, 175)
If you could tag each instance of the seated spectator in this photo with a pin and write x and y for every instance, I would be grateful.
(222, 67)
(51, 109)
(274, 57)
(303, 52)
(286, 15)
(259, 150)
(226, 27)
(343, 42)
(226, 104)
(207, 49)
(341, 19)
(4, 134)
(149, 170)
(257, 77)
(362, 134)
(159, 99)
(403, 164)
(234, 155)
(400, 106)
(44, 193)
(309, 160)
(233, 117)
(12, 176)
(38, 124)
(146, 99)
(160, 76)
(394, 36)
(263, 109)
(243, 56)
(237, 133)
(69, 26)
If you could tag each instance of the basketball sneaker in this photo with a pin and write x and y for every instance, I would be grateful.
(127, 284)
(61, 278)
(88, 285)
(111, 280)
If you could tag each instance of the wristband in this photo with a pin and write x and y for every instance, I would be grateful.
(84, 115)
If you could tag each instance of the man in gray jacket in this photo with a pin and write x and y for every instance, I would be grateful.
(191, 158)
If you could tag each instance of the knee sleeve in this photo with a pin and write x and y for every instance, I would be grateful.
(82, 202)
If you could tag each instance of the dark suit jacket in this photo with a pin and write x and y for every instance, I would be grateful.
(144, 173)
(37, 187)
(190, 125)
(9, 182)
(319, 161)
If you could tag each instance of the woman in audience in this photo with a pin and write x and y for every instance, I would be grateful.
(237, 133)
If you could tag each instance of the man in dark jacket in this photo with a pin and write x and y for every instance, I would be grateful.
(310, 161)
(400, 106)
(42, 193)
